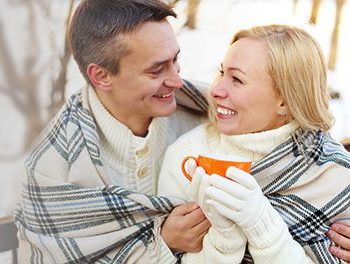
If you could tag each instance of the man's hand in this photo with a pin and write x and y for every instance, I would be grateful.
(185, 228)
(340, 235)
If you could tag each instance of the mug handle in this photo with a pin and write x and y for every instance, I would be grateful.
(188, 176)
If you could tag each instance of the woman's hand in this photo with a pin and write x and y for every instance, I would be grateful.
(239, 199)
(198, 187)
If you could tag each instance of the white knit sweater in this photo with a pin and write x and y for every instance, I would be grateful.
(138, 159)
(217, 248)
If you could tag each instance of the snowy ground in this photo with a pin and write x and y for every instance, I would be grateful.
(201, 52)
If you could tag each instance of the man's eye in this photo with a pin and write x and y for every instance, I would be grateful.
(156, 72)
(221, 72)
(235, 79)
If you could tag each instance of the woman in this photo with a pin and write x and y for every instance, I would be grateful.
(270, 105)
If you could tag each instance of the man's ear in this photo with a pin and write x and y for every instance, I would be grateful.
(99, 77)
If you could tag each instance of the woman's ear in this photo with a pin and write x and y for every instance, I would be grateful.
(282, 109)
(99, 77)
(284, 113)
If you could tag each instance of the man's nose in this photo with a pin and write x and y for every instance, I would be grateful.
(174, 80)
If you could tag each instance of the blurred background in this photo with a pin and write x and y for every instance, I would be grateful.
(37, 73)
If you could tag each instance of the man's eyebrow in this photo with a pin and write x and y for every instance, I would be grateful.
(233, 69)
(158, 63)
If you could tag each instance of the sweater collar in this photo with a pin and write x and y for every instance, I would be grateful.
(115, 133)
(256, 145)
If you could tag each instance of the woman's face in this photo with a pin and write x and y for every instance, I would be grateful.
(244, 96)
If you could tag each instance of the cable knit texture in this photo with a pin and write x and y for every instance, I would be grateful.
(255, 146)
(136, 158)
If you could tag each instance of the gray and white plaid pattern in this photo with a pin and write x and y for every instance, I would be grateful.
(57, 216)
(303, 152)
(66, 223)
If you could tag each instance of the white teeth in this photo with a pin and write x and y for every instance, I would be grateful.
(225, 111)
(164, 95)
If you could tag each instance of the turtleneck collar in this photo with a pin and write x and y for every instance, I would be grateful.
(255, 146)
(112, 130)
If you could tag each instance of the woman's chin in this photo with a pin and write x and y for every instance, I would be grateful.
(229, 131)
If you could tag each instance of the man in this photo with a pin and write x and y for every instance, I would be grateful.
(88, 196)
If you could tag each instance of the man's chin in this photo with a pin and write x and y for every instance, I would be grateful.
(166, 112)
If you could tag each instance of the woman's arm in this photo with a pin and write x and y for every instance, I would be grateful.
(241, 200)
(220, 245)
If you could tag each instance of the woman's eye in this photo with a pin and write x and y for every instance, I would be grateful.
(221, 72)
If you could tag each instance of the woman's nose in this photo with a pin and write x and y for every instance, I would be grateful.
(218, 90)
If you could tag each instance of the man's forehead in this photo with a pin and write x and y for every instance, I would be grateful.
(153, 45)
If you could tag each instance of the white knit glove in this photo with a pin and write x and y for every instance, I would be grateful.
(239, 199)
(199, 184)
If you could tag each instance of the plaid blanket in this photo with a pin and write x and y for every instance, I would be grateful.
(307, 180)
(63, 222)
(70, 224)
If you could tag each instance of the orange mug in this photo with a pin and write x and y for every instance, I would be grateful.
(217, 164)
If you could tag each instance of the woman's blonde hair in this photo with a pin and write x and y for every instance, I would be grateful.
(296, 64)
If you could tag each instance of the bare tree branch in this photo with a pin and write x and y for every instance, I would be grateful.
(58, 85)
(10, 74)
(7, 62)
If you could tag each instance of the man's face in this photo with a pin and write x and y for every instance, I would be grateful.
(148, 75)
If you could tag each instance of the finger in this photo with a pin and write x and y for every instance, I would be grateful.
(194, 218)
(204, 184)
(202, 235)
(241, 177)
(199, 170)
(223, 210)
(196, 180)
(185, 209)
(340, 253)
(233, 188)
(190, 166)
(342, 229)
(339, 239)
(199, 242)
(194, 187)
(201, 227)
(222, 197)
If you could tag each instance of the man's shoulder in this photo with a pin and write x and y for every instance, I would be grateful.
(63, 136)
(193, 96)
(195, 137)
